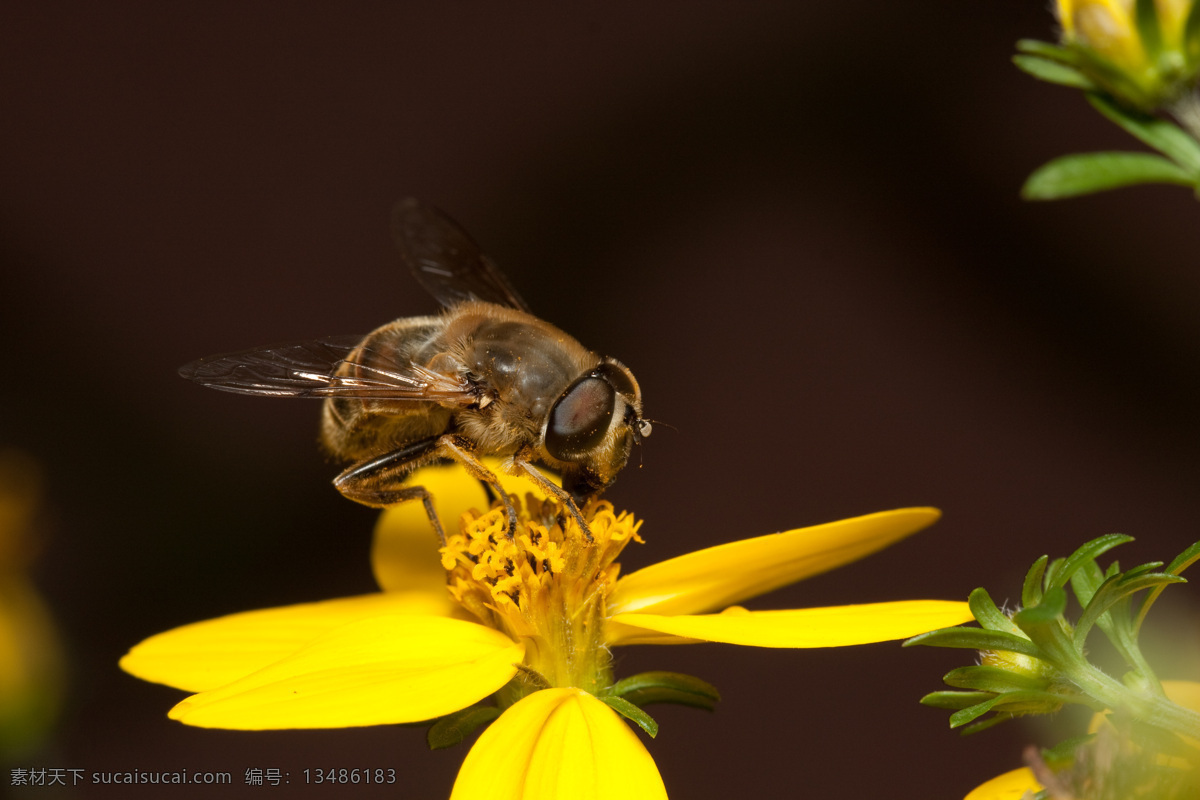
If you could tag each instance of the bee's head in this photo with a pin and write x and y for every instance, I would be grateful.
(593, 425)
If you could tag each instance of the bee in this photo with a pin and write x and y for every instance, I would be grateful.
(483, 378)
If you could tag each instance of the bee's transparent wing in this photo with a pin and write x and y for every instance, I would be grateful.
(445, 259)
(310, 369)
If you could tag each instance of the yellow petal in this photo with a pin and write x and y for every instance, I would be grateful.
(1183, 693)
(556, 744)
(376, 671)
(1009, 786)
(835, 626)
(205, 655)
(1172, 15)
(729, 573)
(519, 484)
(404, 555)
(1108, 28)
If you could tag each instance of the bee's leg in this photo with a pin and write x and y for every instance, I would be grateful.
(549, 487)
(376, 482)
(460, 450)
(404, 493)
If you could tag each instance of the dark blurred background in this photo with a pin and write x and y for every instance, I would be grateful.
(798, 223)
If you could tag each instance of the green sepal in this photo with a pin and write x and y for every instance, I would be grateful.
(984, 724)
(1181, 561)
(1088, 173)
(1045, 626)
(1054, 72)
(1031, 591)
(1113, 591)
(1189, 556)
(1191, 35)
(993, 679)
(1086, 581)
(632, 713)
(1142, 569)
(978, 639)
(451, 729)
(1149, 29)
(986, 613)
(647, 688)
(1051, 574)
(1053, 604)
(1166, 137)
(1048, 51)
(1088, 552)
(1025, 702)
(954, 700)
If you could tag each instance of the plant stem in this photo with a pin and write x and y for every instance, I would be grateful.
(1154, 710)
(1187, 110)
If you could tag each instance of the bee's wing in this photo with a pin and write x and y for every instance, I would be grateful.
(445, 260)
(309, 369)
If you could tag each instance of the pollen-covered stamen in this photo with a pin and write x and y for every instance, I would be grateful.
(547, 585)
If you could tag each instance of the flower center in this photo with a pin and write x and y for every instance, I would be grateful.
(547, 585)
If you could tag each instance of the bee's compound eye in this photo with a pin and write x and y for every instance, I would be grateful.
(580, 418)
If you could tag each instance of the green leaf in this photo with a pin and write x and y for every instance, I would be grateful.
(1054, 72)
(1166, 137)
(633, 713)
(978, 639)
(1088, 173)
(986, 613)
(453, 728)
(647, 688)
(1031, 592)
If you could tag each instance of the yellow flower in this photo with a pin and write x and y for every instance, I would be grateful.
(1109, 26)
(1014, 785)
(1022, 783)
(529, 619)
(1145, 65)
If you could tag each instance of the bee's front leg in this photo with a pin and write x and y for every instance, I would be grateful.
(549, 487)
(460, 450)
(377, 482)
